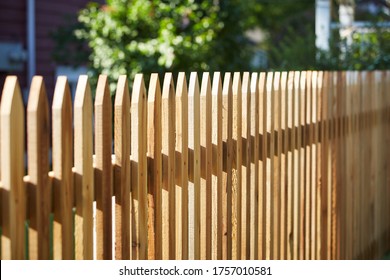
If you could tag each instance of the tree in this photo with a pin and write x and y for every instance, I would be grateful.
(134, 36)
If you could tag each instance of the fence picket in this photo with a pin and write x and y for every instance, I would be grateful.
(262, 212)
(12, 171)
(254, 167)
(246, 171)
(219, 179)
(194, 163)
(154, 168)
(83, 152)
(206, 168)
(168, 150)
(263, 166)
(227, 134)
(182, 164)
(237, 167)
(139, 169)
(103, 169)
(62, 167)
(39, 192)
(122, 170)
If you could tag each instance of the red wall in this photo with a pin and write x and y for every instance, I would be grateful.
(49, 14)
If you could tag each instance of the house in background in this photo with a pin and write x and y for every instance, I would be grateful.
(25, 44)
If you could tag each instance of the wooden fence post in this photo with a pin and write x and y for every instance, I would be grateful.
(122, 170)
(103, 169)
(63, 240)
(12, 170)
(38, 138)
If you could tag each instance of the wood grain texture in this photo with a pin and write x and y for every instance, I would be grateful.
(227, 133)
(39, 193)
(219, 178)
(254, 167)
(194, 165)
(168, 150)
(138, 111)
(63, 230)
(246, 171)
(13, 207)
(103, 169)
(262, 165)
(182, 163)
(122, 170)
(84, 184)
(155, 168)
(206, 168)
(237, 167)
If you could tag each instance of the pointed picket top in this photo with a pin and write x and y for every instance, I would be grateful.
(13, 206)
(194, 165)
(168, 148)
(182, 164)
(122, 120)
(62, 167)
(227, 84)
(83, 96)
(181, 88)
(193, 88)
(38, 141)
(83, 151)
(254, 154)
(237, 164)
(206, 84)
(139, 168)
(218, 181)
(154, 168)
(103, 167)
(154, 92)
(122, 169)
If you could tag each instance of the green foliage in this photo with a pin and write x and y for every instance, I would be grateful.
(295, 51)
(367, 51)
(68, 48)
(133, 36)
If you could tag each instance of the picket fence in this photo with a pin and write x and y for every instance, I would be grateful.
(278, 165)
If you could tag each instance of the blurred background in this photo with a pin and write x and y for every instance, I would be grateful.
(73, 37)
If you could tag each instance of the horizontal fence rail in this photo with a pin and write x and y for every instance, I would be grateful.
(277, 165)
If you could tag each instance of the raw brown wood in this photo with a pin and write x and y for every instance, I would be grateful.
(276, 154)
(254, 167)
(194, 165)
(122, 170)
(301, 145)
(295, 135)
(269, 150)
(245, 191)
(219, 179)
(262, 235)
(13, 206)
(237, 167)
(282, 145)
(227, 116)
(206, 168)
(289, 147)
(155, 168)
(168, 150)
(308, 165)
(138, 110)
(182, 165)
(84, 185)
(63, 230)
(270, 168)
(103, 169)
(39, 193)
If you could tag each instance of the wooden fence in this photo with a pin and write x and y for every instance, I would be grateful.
(283, 165)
